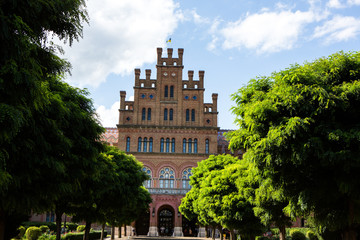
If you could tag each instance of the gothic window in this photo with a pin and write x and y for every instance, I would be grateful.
(207, 146)
(165, 114)
(167, 145)
(195, 145)
(149, 114)
(171, 91)
(162, 145)
(139, 144)
(184, 145)
(173, 145)
(166, 91)
(187, 115)
(167, 178)
(151, 144)
(193, 115)
(128, 144)
(186, 174)
(147, 183)
(145, 145)
(143, 113)
(190, 145)
(171, 114)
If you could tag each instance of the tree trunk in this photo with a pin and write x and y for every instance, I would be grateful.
(282, 231)
(2, 224)
(213, 232)
(125, 230)
(232, 235)
(112, 232)
(87, 230)
(349, 234)
(221, 235)
(58, 224)
(102, 231)
(119, 231)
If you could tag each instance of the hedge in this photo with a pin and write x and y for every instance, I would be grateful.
(79, 236)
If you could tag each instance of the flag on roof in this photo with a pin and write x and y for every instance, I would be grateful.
(168, 41)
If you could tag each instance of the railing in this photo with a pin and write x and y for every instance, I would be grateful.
(168, 191)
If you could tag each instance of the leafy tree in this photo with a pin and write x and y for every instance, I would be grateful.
(301, 128)
(27, 62)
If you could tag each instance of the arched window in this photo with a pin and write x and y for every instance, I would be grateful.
(207, 146)
(165, 114)
(187, 114)
(147, 183)
(166, 91)
(167, 178)
(193, 115)
(195, 145)
(149, 114)
(139, 144)
(168, 145)
(162, 145)
(190, 145)
(171, 114)
(128, 144)
(143, 114)
(186, 174)
(145, 145)
(151, 144)
(171, 91)
(173, 145)
(184, 145)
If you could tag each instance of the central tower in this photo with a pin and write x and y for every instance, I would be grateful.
(168, 128)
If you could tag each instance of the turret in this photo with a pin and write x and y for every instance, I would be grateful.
(201, 79)
(122, 100)
(214, 103)
(137, 77)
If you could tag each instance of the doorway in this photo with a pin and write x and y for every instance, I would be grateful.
(166, 221)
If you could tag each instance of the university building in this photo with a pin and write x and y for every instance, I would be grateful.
(169, 128)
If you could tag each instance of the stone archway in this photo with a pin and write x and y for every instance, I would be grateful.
(166, 220)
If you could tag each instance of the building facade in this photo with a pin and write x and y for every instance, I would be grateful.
(168, 128)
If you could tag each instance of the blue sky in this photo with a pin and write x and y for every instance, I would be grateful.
(233, 41)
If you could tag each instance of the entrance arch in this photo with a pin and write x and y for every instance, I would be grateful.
(166, 220)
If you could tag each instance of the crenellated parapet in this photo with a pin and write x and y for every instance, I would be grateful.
(194, 84)
(170, 60)
(144, 83)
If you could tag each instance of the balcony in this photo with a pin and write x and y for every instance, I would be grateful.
(168, 191)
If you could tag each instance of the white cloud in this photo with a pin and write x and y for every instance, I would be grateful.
(338, 29)
(353, 2)
(335, 4)
(266, 32)
(109, 117)
(122, 35)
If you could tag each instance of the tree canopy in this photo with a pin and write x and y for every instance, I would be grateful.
(301, 127)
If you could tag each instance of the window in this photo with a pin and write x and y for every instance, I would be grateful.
(186, 178)
(145, 145)
(50, 217)
(207, 146)
(195, 145)
(167, 178)
(139, 144)
(171, 91)
(171, 114)
(165, 114)
(166, 91)
(128, 144)
(151, 144)
(147, 183)
(184, 145)
(167, 145)
(173, 145)
(190, 145)
(193, 115)
(143, 114)
(149, 114)
(162, 145)
(187, 114)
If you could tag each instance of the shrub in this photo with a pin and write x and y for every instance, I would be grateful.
(51, 225)
(311, 235)
(80, 228)
(44, 228)
(33, 233)
(79, 236)
(72, 226)
(297, 235)
(21, 230)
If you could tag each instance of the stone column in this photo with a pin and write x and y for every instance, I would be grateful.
(202, 232)
(178, 224)
(153, 229)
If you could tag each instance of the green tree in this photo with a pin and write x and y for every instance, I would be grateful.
(27, 62)
(301, 128)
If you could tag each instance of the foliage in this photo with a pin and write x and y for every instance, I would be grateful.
(71, 226)
(47, 237)
(297, 235)
(44, 228)
(21, 230)
(311, 235)
(79, 236)
(51, 225)
(301, 128)
(80, 228)
(33, 233)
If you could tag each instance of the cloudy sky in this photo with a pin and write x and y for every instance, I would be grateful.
(233, 41)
